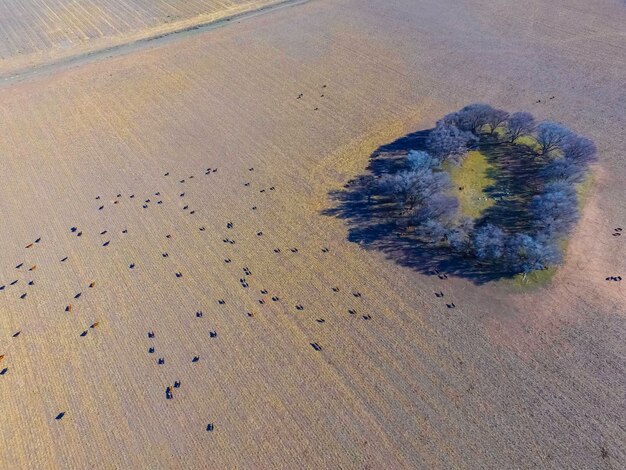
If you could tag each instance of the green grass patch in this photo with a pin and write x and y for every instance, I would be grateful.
(583, 189)
(500, 133)
(532, 280)
(470, 181)
(528, 141)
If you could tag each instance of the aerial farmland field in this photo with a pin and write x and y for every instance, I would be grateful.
(39, 32)
(183, 284)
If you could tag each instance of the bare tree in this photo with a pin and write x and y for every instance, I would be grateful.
(551, 135)
(458, 236)
(398, 187)
(579, 149)
(411, 189)
(524, 254)
(470, 118)
(433, 231)
(489, 241)
(519, 124)
(447, 142)
(419, 159)
(562, 169)
(495, 118)
(555, 210)
(439, 207)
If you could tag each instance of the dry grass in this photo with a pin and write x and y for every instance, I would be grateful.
(505, 380)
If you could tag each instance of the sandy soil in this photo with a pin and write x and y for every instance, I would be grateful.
(506, 380)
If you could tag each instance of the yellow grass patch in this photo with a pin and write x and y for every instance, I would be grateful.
(532, 280)
(583, 189)
(529, 141)
(470, 181)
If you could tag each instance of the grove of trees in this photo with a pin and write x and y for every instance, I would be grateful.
(420, 200)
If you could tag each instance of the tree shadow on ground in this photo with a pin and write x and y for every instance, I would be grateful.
(515, 171)
(372, 225)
